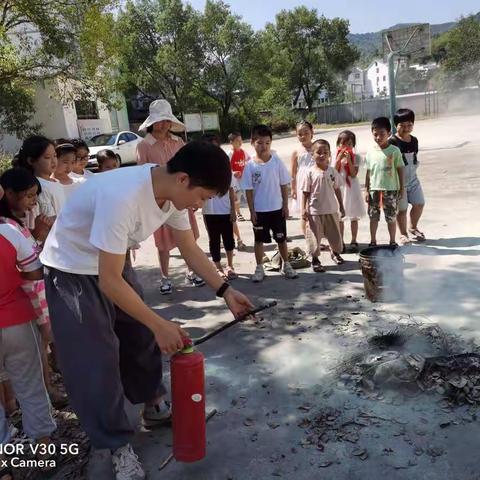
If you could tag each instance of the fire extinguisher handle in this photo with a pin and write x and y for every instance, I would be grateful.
(198, 341)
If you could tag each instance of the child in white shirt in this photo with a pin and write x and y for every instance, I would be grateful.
(265, 180)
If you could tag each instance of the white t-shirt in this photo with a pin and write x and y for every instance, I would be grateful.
(218, 205)
(86, 175)
(266, 179)
(110, 212)
(69, 189)
(52, 199)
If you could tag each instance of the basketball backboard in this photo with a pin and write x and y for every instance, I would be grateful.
(417, 48)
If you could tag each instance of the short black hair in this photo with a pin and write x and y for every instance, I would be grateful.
(63, 146)
(18, 180)
(404, 115)
(382, 122)
(261, 131)
(304, 123)
(323, 142)
(104, 155)
(346, 134)
(31, 150)
(232, 136)
(206, 164)
(211, 138)
(79, 143)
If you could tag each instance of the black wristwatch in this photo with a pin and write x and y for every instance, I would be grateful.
(221, 291)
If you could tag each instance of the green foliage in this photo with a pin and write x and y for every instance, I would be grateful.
(5, 161)
(67, 40)
(283, 119)
(310, 51)
(458, 52)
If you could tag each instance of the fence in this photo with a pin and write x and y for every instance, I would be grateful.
(424, 104)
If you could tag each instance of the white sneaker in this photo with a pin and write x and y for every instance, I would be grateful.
(166, 287)
(288, 271)
(259, 274)
(126, 464)
(154, 416)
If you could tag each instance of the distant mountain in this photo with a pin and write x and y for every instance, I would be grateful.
(371, 43)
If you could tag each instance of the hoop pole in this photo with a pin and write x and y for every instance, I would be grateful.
(391, 83)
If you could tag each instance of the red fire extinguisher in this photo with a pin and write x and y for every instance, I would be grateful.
(188, 396)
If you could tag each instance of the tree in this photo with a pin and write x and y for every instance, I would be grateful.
(42, 40)
(230, 72)
(312, 50)
(458, 52)
(159, 50)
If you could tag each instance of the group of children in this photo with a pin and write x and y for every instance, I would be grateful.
(325, 192)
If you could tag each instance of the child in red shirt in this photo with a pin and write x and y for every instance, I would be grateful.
(238, 160)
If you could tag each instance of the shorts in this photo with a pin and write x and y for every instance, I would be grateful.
(389, 199)
(414, 196)
(323, 226)
(268, 222)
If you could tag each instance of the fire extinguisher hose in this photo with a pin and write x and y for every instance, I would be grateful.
(198, 341)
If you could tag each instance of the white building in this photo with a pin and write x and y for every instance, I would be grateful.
(322, 97)
(75, 119)
(371, 82)
(59, 118)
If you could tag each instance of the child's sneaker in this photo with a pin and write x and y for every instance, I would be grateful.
(259, 274)
(166, 287)
(126, 464)
(157, 415)
(194, 279)
(288, 271)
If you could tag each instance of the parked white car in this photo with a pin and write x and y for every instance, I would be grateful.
(123, 144)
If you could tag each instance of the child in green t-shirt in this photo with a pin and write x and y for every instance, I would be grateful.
(384, 180)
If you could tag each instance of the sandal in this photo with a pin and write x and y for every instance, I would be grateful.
(231, 275)
(317, 267)
(337, 258)
(404, 240)
(372, 244)
(6, 473)
(353, 247)
(222, 274)
(393, 244)
(417, 234)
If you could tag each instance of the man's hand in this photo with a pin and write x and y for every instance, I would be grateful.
(237, 174)
(43, 224)
(253, 217)
(237, 302)
(305, 215)
(169, 336)
(367, 197)
(294, 193)
(285, 211)
(233, 216)
(342, 211)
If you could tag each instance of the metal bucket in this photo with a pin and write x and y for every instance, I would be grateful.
(382, 270)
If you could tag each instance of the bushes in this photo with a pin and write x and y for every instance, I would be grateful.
(283, 119)
(5, 161)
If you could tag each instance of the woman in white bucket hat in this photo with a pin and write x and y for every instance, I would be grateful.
(159, 146)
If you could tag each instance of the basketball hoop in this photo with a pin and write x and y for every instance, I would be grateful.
(412, 42)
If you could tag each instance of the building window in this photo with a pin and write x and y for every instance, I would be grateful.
(378, 89)
(86, 109)
(378, 80)
(378, 70)
(384, 78)
(357, 76)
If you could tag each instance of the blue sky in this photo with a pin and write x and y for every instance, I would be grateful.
(364, 15)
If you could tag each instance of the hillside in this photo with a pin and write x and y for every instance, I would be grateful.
(369, 43)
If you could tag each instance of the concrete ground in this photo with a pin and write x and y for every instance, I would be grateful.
(266, 377)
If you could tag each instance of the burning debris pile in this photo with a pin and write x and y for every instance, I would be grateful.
(389, 364)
